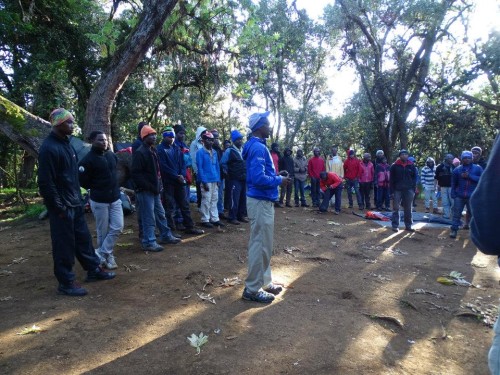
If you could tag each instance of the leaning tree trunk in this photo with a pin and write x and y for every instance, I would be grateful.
(22, 127)
(125, 60)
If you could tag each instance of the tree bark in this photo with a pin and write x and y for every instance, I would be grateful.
(22, 127)
(125, 60)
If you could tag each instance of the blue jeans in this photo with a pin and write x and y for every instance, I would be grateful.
(315, 191)
(237, 199)
(71, 238)
(447, 202)
(405, 199)
(220, 201)
(328, 194)
(299, 188)
(350, 184)
(458, 207)
(494, 354)
(152, 213)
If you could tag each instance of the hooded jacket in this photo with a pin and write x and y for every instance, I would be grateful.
(195, 146)
(286, 162)
(464, 187)
(262, 181)
(300, 168)
(403, 176)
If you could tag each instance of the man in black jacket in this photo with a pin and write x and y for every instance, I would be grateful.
(403, 180)
(148, 186)
(235, 168)
(286, 164)
(60, 189)
(98, 173)
(173, 173)
(443, 177)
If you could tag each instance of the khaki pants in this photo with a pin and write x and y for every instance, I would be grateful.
(260, 245)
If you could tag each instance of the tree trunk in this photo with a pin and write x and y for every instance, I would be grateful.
(26, 171)
(22, 127)
(125, 60)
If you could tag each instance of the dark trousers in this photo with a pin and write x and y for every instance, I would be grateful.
(315, 191)
(402, 198)
(174, 196)
(288, 191)
(458, 207)
(299, 188)
(237, 199)
(328, 194)
(365, 189)
(383, 197)
(71, 238)
(227, 196)
(198, 192)
(351, 185)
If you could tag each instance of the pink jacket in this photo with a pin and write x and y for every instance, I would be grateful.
(367, 172)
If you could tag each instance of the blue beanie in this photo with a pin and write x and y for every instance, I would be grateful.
(466, 154)
(235, 134)
(168, 132)
(256, 120)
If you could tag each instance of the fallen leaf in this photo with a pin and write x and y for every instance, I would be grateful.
(27, 331)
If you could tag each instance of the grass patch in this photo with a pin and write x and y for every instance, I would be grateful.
(19, 212)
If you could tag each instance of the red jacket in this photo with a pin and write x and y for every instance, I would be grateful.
(332, 181)
(352, 168)
(315, 166)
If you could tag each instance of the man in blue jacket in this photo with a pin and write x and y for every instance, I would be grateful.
(463, 182)
(262, 192)
(207, 162)
(173, 174)
(485, 208)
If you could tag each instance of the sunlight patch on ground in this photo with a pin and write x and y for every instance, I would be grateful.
(145, 332)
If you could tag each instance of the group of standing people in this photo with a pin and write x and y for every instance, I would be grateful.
(251, 173)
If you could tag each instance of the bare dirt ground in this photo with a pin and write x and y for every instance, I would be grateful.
(349, 306)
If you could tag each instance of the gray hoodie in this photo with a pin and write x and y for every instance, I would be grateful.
(195, 146)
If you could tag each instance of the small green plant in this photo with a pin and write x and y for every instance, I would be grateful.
(34, 210)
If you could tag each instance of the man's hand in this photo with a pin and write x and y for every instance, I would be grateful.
(205, 187)
(465, 174)
(286, 181)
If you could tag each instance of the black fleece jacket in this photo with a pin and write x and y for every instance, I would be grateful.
(99, 175)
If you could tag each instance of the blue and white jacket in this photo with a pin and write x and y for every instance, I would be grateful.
(262, 181)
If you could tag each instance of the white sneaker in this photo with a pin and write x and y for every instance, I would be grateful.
(111, 262)
(102, 259)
